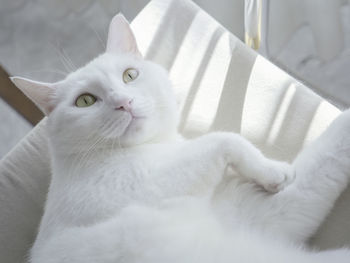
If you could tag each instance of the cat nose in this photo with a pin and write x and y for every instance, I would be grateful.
(124, 105)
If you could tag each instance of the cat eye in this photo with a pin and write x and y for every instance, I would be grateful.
(85, 100)
(130, 74)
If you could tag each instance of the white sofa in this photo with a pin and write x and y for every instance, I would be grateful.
(221, 85)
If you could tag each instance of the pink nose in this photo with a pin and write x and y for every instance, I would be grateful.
(124, 105)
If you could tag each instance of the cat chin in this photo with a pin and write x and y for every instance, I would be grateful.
(136, 125)
(131, 132)
(135, 134)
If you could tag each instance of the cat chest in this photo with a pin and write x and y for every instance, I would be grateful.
(106, 190)
(119, 183)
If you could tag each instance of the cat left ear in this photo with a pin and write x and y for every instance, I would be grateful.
(120, 37)
(39, 92)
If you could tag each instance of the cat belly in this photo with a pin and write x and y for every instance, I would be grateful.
(177, 231)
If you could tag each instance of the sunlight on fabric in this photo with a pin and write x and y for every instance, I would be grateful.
(222, 85)
(324, 114)
(145, 32)
(188, 61)
(262, 101)
(281, 114)
(205, 102)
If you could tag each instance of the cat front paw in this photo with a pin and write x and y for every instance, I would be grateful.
(276, 176)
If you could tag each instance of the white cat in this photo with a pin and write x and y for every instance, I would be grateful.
(126, 187)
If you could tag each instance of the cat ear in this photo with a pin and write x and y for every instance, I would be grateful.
(39, 92)
(120, 37)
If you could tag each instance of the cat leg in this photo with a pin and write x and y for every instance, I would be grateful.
(322, 173)
(203, 161)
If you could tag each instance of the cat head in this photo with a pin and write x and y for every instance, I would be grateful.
(118, 96)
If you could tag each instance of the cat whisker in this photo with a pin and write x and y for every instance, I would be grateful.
(67, 58)
(83, 156)
(111, 127)
(66, 61)
(97, 35)
(62, 73)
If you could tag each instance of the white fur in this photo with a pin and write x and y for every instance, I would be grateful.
(132, 190)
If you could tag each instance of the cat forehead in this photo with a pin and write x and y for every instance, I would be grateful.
(103, 66)
(108, 69)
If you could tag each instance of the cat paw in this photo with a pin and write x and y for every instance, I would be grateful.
(276, 176)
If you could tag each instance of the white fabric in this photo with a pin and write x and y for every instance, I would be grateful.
(221, 85)
(24, 180)
(323, 16)
(312, 41)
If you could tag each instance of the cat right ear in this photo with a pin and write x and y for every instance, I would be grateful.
(121, 39)
(39, 92)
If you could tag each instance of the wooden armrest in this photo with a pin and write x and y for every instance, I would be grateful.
(17, 100)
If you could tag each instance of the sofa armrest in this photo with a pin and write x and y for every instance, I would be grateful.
(24, 181)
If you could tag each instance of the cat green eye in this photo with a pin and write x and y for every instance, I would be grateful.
(85, 100)
(130, 74)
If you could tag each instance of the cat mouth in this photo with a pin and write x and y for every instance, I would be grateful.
(134, 118)
(137, 117)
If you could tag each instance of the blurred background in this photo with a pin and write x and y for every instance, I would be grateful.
(46, 39)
